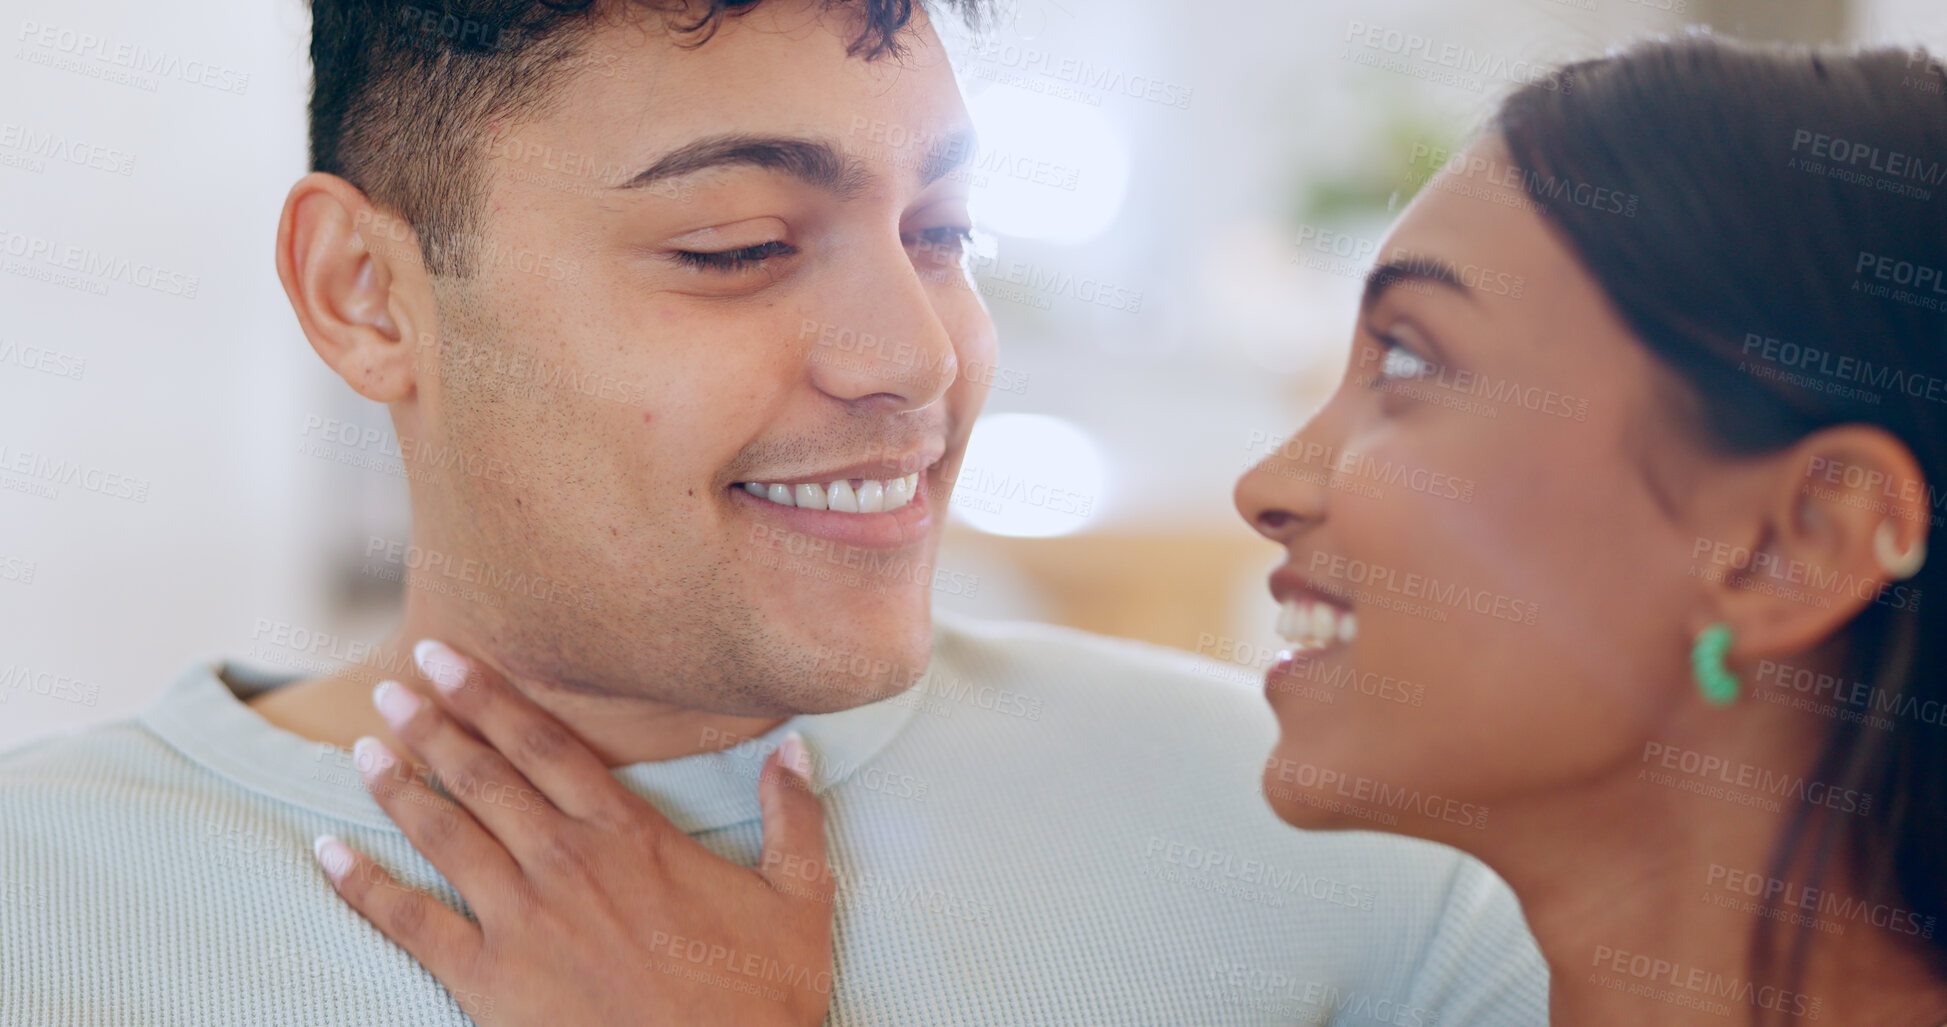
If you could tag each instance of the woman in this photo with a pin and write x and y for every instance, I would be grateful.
(1678, 320)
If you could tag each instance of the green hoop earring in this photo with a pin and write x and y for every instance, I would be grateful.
(1719, 686)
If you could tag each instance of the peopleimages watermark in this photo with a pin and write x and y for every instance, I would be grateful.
(38, 474)
(431, 27)
(96, 56)
(529, 373)
(1048, 73)
(1366, 798)
(1278, 994)
(915, 149)
(853, 350)
(1373, 584)
(43, 360)
(1349, 469)
(1692, 987)
(18, 677)
(1315, 679)
(1741, 783)
(867, 774)
(572, 171)
(742, 971)
(435, 571)
(1871, 488)
(1900, 174)
(1794, 579)
(1458, 171)
(857, 567)
(1918, 285)
(1809, 689)
(384, 233)
(1822, 370)
(1929, 78)
(1776, 575)
(934, 692)
(87, 269)
(1427, 58)
(417, 459)
(1803, 905)
(31, 149)
(1439, 382)
(996, 492)
(1218, 870)
(14, 568)
(1350, 256)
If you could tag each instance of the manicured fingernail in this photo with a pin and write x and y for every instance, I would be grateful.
(440, 663)
(794, 757)
(395, 703)
(372, 757)
(333, 856)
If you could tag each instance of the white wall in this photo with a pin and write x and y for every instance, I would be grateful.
(180, 403)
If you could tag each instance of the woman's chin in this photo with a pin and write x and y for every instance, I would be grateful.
(1306, 810)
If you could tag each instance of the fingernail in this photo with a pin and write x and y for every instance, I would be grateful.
(439, 663)
(333, 856)
(395, 703)
(794, 757)
(372, 757)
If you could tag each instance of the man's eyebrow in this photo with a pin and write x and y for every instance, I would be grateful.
(816, 162)
(947, 156)
(1411, 268)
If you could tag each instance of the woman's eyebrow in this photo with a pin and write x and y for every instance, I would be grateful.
(1411, 268)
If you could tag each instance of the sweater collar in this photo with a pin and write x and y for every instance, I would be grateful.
(203, 716)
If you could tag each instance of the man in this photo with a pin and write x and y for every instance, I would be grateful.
(594, 261)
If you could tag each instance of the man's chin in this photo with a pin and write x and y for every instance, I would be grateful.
(853, 664)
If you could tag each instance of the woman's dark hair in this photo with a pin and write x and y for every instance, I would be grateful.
(1757, 215)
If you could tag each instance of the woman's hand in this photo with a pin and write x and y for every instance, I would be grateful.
(593, 909)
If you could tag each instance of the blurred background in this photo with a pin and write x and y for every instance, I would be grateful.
(1173, 271)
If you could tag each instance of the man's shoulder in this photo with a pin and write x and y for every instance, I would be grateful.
(63, 784)
(97, 752)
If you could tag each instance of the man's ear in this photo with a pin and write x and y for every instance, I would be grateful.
(1825, 515)
(354, 276)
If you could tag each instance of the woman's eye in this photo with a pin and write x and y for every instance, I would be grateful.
(946, 243)
(743, 259)
(1400, 363)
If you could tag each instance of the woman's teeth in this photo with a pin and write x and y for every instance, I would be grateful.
(868, 496)
(1310, 624)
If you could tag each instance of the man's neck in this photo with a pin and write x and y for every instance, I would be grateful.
(337, 709)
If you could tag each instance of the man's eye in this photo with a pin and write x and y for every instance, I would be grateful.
(742, 259)
(1399, 362)
(946, 243)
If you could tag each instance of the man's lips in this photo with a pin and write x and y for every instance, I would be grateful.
(907, 525)
(882, 468)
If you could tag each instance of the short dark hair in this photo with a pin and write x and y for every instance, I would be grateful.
(402, 89)
(1749, 229)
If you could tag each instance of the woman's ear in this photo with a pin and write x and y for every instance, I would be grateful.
(1836, 519)
(355, 279)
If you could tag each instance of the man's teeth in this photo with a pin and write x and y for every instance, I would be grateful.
(1309, 624)
(869, 496)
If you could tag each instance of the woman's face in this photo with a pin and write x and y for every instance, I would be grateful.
(1495, 495)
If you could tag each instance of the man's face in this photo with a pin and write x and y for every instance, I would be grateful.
(778, 300)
